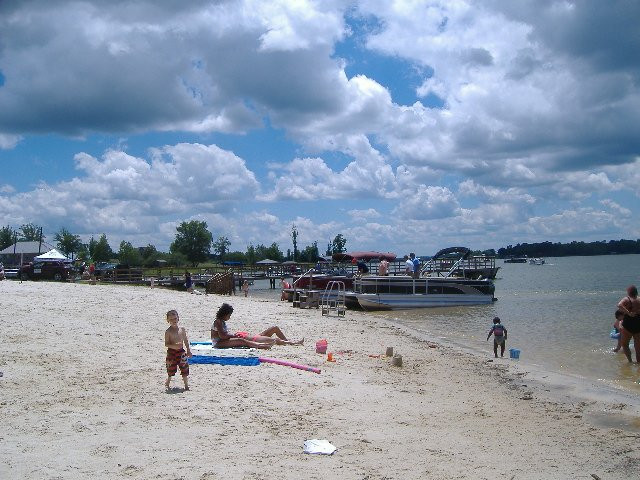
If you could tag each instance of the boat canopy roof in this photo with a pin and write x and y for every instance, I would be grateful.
(458, 252)
(366, 256)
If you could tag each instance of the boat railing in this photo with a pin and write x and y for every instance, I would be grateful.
(446, 267)
(309, 273)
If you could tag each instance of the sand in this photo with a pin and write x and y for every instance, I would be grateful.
(82, 396)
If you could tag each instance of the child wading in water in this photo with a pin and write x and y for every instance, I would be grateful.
(176, 341)
(499, 336)
(616, 326)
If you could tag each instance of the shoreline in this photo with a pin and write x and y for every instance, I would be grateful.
(561, 387)
(84, 372)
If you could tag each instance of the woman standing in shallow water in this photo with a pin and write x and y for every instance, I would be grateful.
(630, 306)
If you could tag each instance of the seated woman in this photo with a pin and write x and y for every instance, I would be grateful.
(221, 338)
(285, 285)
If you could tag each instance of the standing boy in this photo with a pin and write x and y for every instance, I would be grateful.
(499, 336)
(176, 341)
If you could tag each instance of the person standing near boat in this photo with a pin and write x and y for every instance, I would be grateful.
(362, 268)
(408, 266)
(630, 307)
(383, 267)
(416, 265)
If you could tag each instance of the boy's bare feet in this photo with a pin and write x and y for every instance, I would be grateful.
(301, 342)
(166, 384)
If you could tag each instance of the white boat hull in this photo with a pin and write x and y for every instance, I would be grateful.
(381, 301)
(402, 292)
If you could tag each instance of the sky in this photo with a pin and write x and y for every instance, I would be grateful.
(405, 126)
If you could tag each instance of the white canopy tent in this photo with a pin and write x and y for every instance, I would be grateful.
(52, 254)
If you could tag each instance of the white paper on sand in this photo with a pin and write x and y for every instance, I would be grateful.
(322, 447)
(209, 351)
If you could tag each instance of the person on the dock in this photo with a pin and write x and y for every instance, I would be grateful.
(499, 333)
(188, 282)
(178, 350)
(221, 338)
(383, 267)
(245, 288)
(630, 307)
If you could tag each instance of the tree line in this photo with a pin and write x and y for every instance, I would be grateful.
(549, 249)
(193, 244)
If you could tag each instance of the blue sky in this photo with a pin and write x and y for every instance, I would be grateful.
(402, 125)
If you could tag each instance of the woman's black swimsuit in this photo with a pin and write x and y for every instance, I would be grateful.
(631, 323)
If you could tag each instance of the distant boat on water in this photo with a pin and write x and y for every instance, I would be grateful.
(536, 261)
(516, 260)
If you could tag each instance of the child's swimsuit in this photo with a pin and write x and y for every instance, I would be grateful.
(175, 359)
(498, 331)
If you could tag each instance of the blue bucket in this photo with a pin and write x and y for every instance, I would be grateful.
(514, 353)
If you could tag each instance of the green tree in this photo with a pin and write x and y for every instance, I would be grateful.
(339, 244)
(68, 243)
(149, 255)
(100, 250)
(294, 238)
(251, 254)
(128, 254)
(193, 240)
(221, 247)
(83, 253)
(31, 232)
(310, 253)
(273, 252)
(7, 237)
(175, 259)
(236, 257)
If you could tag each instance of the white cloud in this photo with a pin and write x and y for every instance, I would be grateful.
(539, 120)
(364, 215)
(7, 142)
(428, 203)
(126, 195)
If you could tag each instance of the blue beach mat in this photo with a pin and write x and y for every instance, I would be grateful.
(210, 359)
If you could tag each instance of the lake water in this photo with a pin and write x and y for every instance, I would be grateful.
(558, 315)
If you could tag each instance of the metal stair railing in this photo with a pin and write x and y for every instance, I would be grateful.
(334, 298)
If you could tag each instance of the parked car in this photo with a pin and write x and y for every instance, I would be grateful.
(104, 269)
(45, 270)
